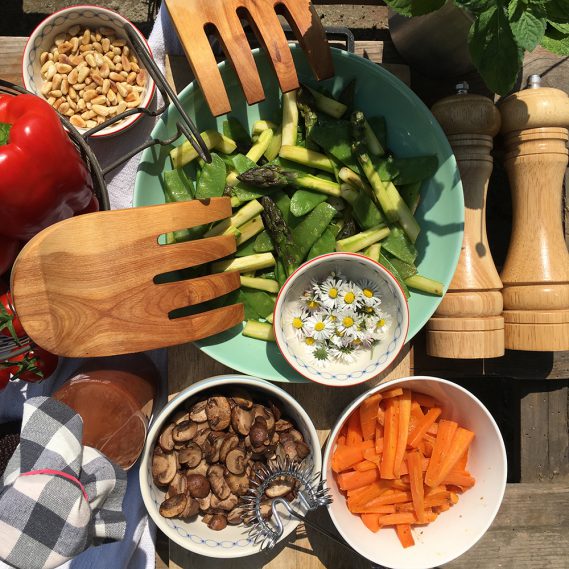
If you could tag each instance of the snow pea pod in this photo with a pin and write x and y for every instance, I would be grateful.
(283, 203)
(383, 260)
(233, 129)
(411, 194)
(399, 245)
(211, 182)
(414, 169)
(335, 138)
(405, 270)
(248, 248)
(326, 243)
(263, 243)
(312, 226)
(304, 201)
(364, 210)
(177, 186)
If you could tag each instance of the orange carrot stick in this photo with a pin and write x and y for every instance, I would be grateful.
(364, 465)
(381, 416)
(425, 400)
(395, 392)
(418, 433)
(447, 429)
(402, 430)
(371, 454)
(354, 434)
(344, 456)
(369, 492)
(382, 509)
(416, 484)
(342, 440)
(404, 535)
(460, 478)
(388, 497)
(378, 438)
(424, 465)
(458, 446)
(390, 438)
(417, 416)
(371, 521)
(368, 416)
(461, 464)
(405, 518)
(353, 480)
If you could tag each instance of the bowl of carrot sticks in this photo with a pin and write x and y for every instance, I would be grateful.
(417, 469)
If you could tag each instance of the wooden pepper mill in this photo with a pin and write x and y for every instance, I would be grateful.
(468, 322)
(536, 271)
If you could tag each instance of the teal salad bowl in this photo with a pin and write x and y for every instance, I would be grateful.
(411, 130)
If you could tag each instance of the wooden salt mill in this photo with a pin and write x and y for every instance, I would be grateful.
(468, 322)
(536, 271)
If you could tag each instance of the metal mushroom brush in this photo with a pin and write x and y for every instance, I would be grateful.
(311, 494)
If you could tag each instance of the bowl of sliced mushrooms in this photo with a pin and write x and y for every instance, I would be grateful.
(202, 453)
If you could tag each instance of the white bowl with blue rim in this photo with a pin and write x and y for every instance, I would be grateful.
(94, 17)
(367, 363)
(195, 536)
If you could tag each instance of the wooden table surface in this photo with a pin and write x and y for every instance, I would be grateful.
(526, 392)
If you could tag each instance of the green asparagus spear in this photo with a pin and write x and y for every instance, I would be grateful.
(281, 235)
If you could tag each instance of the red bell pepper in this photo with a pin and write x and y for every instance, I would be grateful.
(43, 179)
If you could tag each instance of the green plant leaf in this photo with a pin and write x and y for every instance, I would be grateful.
(414, 7)
(4, 133)
(527, 21)
(555, 41)
(557, 10)
(563, 28)
(475, 7)
(493, 49)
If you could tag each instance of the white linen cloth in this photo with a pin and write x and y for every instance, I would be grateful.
(137, 550)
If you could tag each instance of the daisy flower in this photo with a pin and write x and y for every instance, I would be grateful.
(382, 325)
(311, 301)
(319, 327)
(342, 354)
(370, 294)
(298, 322)
(350, 296)
(329, 291)
(347, 324)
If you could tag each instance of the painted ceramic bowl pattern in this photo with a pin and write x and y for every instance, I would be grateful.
(194, 535)
(368, 363)
(43, 38)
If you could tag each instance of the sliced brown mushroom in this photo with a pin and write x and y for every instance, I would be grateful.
(237, 484)
(180, 416)
(241, 420)
(236, 461)
(212, 446)
(166, 441)
(197, 412)
(235, 517)
(280, 487)
(201, 468)
(184, 431)
(174, 506)
(217, 522)
(207, 518)
(302, 449)
(191, 455)
(283, 425)
(242, 398)
(218, 412)
(198, 485)
(296, 435)
(218, 485)
(227, 505)
(178, 485)
(192, 508)
(259, 434)
(164, 468)
(230, 442)
(289, 448)
(205, 503)
(275, 409)
(265, 508)
(201, 436)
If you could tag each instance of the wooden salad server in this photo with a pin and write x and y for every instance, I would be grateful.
(85, 287)
(536, 270)
(468, 322)
(193, 17)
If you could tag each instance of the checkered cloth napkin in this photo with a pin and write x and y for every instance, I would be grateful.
(57, 497)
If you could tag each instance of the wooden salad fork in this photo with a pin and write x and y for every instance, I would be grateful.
(85, 287)
(192, 18)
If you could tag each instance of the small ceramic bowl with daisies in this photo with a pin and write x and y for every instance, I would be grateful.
(341, 319)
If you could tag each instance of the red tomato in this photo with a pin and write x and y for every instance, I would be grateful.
(36, 365)
(9, 323)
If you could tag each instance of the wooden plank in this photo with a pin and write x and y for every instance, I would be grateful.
(11, 49)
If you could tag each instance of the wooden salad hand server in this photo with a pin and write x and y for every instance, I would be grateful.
(192, 17)
(85, 287)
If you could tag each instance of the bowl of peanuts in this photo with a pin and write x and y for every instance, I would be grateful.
(80, 61)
